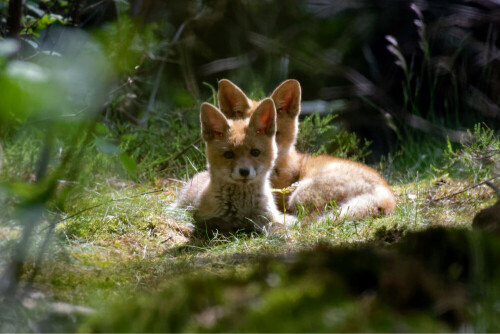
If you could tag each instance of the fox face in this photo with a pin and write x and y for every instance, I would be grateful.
(240, 151)
(235, 105)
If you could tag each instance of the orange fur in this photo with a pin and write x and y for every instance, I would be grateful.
(357, 189)
(235, 192)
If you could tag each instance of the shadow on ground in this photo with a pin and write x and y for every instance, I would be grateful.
(435, 280)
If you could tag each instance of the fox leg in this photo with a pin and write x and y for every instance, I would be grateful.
(190, 193)
(379, 201)
(315, 194)
(306, 195)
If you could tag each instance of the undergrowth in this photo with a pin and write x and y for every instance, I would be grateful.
(170, 144)
(320, 135)
(478, 159)
(119, 236)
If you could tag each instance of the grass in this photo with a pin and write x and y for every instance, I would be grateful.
(121, 249)
(136, 247)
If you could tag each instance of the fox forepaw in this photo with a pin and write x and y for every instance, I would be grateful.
(290, 220)
(280, 224)
(275, 228)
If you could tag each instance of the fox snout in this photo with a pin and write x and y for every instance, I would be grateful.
(243, 173)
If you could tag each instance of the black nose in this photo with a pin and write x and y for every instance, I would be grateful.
(244, 172)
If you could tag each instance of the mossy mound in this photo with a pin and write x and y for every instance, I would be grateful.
(434, 280)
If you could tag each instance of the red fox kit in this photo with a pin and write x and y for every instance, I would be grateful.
(358, 190)
(235, 193)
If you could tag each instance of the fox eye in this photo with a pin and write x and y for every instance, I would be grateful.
(255, 152)
(229, 154)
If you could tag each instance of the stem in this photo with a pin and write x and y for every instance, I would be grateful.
(14, 18)
(284, 210)
(75, 12)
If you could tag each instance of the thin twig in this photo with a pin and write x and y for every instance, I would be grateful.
(152, 97)
(76, 114)
(127, 82)
(44, 247)
(111, 201)
(165, 164)
(95, 5)
(464, 190)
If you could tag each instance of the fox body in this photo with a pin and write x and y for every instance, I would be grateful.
(235, 192)
(358, 190)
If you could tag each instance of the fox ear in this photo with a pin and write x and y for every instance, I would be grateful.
(287, 98)
(263, 119)
(233, 102)
(213, 123)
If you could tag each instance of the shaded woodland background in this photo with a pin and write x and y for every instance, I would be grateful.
(338, 50)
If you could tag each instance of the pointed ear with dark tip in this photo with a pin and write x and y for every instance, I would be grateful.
(213, 123)
(233, 102)
(263, 119)
(287, 98)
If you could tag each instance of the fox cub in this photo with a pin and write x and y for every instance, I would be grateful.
(235, 192)
(358, 190)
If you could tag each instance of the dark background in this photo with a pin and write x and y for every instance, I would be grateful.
(338, 50)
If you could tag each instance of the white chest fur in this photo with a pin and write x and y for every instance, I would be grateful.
(241, 205)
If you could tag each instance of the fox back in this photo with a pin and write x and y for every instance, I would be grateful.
(358, 189)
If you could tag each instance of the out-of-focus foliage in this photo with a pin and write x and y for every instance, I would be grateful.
(53, 84)
(479, 158)
(59, 83)
(317, 134)
(435, 74)
(56, 94)
(442, 79)
(406, 287)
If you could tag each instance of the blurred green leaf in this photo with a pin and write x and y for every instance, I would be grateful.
(48, 19)
(26, 71)
(106, 147)
(22, 190)
(65, 77)
(8, 47)
(32, 6)
(214, 92)
(129, 163)
(101, 129)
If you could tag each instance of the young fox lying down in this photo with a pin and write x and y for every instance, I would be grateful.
(358, 190)
(235, 192)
